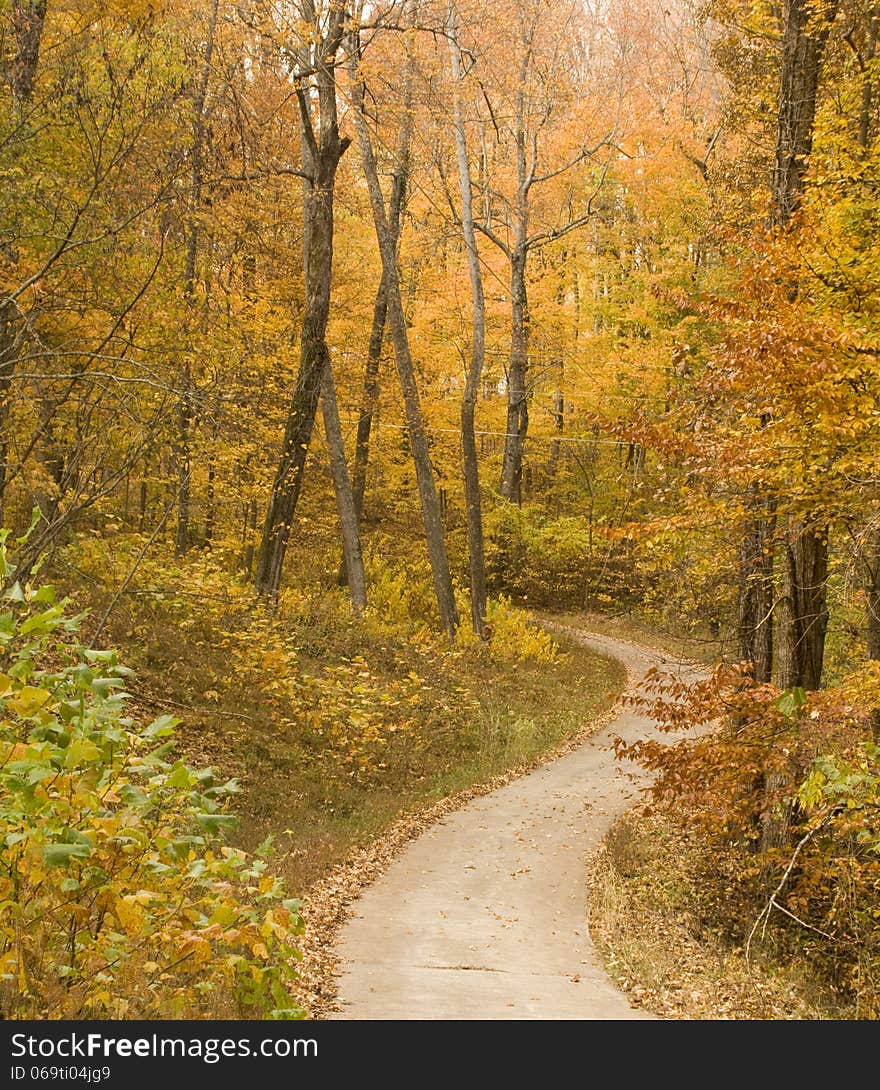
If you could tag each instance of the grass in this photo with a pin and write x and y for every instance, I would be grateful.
(509, 717)
(206, 651)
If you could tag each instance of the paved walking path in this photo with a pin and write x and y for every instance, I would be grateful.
(484, 916)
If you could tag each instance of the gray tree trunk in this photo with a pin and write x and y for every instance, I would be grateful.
(517, 375)
(321, 155)
(470, 461)
(348, 519)
(370, 395)
(431, 513)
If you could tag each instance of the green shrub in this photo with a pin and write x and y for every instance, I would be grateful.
(117, 897)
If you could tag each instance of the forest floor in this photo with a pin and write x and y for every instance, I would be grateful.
(478, 908)
(662, 916)
(483, 916)
(279, 704)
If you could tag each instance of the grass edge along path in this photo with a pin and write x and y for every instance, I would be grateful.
(327, 902)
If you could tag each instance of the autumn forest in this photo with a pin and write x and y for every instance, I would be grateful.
(377, 379)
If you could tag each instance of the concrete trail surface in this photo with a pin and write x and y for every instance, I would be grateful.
(484, 915)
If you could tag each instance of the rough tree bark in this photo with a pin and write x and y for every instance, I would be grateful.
(866, 58)
(370, 394)
(28, 18)
(431, 513)
(348, 518)
(801, 612)
(186, 404)
(870, 560)
(517, 373)
(470, 461)
(805, 34)
(321, 154)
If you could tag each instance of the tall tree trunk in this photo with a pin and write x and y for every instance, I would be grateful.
(866, 64)
(517, 399)
(517, 403)
(370, 394)
(186, 407)
(470, 461)
(800, 611)
(809, 552)
(348, 520)
(431, 513)
(28, 17)
(321, 154)
(804, 35)
(369, 400)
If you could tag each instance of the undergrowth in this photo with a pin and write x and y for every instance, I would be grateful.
(335, 726)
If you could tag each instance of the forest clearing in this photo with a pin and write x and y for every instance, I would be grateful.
(439, 510)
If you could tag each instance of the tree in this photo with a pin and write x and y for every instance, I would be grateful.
(322, 148)
(432, 518)
(470, 460)
(803, 614)
(545, 50)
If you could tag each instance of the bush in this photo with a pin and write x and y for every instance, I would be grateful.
(118, 898)
(803, 765)
(515, 637)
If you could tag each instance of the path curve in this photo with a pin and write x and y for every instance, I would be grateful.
(484, 915)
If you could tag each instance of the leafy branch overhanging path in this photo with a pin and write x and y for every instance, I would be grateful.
(484, 916)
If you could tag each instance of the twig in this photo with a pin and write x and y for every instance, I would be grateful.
(764, 914)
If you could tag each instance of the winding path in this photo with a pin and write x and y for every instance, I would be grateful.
(484, 916)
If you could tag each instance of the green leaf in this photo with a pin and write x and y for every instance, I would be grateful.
(100, 656)
(80, 750)
(179, 776)
(104, 686)
(133, 796)
(42, 622)
(213, 823)
(161, 727)
(791, 702)
(60, 855)
(14, 593)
